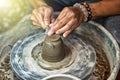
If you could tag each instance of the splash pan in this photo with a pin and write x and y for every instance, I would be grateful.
(25, 61)
(94, 54)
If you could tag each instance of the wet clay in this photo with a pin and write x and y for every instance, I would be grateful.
(52, 53)
(53, 48)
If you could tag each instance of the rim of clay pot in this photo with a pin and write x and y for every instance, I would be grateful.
(115, 69)
(59, 76)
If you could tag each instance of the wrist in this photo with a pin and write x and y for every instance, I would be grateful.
(86, 10)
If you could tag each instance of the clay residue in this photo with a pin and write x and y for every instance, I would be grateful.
(5, 69)
(102, 68)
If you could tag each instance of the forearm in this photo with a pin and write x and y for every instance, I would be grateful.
(37, 3)
(105, 8)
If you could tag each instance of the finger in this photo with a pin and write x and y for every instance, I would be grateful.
(52, 21)
(38, 17)
(66, 33)
(66, 27)
(40, 21)
(34, 15)
(41, 17)
(59, 24)
(48, 15)
(34, 23)
(33, 18)
(60, 16)
(61, 20)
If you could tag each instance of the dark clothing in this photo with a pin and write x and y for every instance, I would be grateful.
(58, 5)
(112, 24)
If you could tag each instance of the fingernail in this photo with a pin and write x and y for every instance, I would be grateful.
(50, 25)
(64, 35)
(50, 33)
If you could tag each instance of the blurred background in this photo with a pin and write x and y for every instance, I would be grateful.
(11, 12)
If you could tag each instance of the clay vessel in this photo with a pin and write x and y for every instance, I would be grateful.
(53, 48)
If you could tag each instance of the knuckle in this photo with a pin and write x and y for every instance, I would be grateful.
(53, 29)
(70, 30)
(68, 25)
(46, 18)
(57, 20)
(72, 14)
(60, 23)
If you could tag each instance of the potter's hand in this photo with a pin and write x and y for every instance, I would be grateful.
(67, 21)
(41, 17)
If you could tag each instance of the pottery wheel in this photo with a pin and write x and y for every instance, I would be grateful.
(26, 64)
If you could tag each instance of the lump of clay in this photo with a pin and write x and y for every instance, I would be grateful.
(53, 48)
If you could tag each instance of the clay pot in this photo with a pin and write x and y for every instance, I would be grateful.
(53, 48)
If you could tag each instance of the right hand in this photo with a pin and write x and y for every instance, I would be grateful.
(41, 17)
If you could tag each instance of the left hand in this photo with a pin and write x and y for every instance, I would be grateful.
(69, 19)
